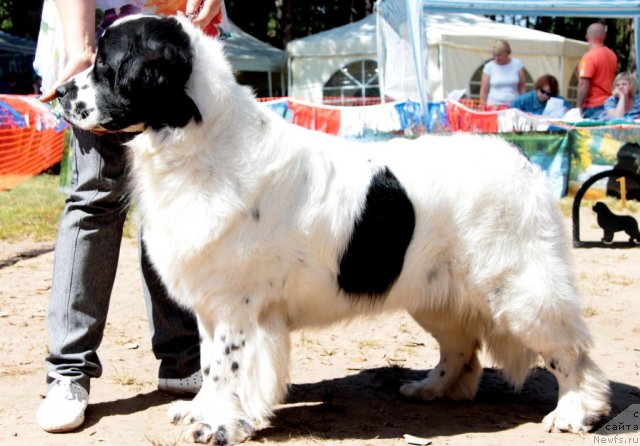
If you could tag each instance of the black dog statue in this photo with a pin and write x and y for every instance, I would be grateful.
(612, 223)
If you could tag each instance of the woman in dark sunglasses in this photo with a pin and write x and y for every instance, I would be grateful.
(535, 101)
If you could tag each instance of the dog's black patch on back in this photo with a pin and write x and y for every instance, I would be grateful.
(375, 254)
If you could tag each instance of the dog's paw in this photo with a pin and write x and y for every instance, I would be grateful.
(224, 434)
(423, 390)
(569, 416)
(181, 412)
(555, 422)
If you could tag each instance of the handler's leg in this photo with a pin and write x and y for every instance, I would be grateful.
(86, 259)
(174, 334)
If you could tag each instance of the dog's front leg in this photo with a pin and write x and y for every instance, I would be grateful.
(245, 358)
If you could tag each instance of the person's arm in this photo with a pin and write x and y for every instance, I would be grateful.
(522, 88)
(77, 18)
(484, 89)
(204, 11)
(619, 110)
(583, 90)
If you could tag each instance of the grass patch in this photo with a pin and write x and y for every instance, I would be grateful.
(306, 341)
(370, 344)
(125, 379)
(154, 442)
(32, 210)
(589, 311)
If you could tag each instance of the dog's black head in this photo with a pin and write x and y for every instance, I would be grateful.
(600, 208)
(138, 79)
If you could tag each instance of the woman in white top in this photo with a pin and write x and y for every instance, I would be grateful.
(502, 78)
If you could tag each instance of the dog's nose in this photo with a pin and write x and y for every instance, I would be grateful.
(61, 91)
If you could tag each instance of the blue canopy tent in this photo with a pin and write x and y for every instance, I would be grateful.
(16, 55)
(411, 13)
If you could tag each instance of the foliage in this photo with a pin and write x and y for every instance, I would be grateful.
(6, 7)
(281, 21)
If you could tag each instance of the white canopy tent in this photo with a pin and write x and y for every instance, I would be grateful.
(459, 44)
(314, 59)
(411, 19)
(246, 53)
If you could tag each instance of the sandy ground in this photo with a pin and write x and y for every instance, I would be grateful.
(344, 379)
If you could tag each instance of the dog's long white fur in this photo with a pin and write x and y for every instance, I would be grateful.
(246, 217)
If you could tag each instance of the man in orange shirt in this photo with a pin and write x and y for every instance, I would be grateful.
(596, 72)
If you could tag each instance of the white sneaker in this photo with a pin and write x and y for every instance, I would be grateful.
(181, 386)
(63, 408)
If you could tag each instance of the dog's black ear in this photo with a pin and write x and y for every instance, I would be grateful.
(173, 111)
(153, 76)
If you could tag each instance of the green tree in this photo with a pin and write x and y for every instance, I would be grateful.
(5, 15)
(26, 17)
(281, 21)
(21, 17)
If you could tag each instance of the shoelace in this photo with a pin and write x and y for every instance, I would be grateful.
(71, 391)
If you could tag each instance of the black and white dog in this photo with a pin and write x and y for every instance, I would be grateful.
(262, 227)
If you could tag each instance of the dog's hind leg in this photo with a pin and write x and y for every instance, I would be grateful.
(458, 373)
(633, 232)
(540, 307)
(583, 392)
(245, 366)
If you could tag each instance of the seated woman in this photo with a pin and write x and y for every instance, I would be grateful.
(624, 102)
(536, 100)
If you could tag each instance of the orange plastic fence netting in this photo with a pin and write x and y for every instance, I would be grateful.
(31, 139)
(469, 116)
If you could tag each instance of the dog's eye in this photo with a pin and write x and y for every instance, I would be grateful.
(101, 61)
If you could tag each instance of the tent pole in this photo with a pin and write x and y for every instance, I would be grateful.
(416, 25)
(636, 32)
(379, 46)
(564, 92)
(289, 80)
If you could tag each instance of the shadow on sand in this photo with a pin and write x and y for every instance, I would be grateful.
(368, 405)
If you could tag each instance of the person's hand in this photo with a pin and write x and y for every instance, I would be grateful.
(202, 12)
(617, 92)
(76, 64)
